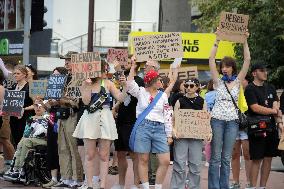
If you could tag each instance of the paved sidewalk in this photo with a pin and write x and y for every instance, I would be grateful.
(276, 180)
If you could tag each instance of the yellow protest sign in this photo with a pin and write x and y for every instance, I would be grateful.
(195, 45)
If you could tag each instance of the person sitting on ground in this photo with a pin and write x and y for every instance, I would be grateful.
(34, 135)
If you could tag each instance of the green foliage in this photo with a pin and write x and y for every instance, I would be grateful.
(266, 28)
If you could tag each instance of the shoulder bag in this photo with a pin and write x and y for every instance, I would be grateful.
(243, 120)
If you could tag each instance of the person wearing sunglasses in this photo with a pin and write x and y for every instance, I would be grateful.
(224, 114)
(192, 147)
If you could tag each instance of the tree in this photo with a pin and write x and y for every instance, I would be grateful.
(266, 27)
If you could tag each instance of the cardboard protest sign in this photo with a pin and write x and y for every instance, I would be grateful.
(84, 66)
(183, 72)
(192, 123)
(9, 82)
(119, 55)
(73, 91)
(158, 47)
(37, 88)
(13, 103)
(233, 27)
(55, 86)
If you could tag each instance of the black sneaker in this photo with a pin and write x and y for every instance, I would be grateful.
(23, 178)
(113, 170)
(152, 181)
(7, 175)
(15, 176)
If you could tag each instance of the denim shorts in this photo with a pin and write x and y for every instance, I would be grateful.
(151, 137)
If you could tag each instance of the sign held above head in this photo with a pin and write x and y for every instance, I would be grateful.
(233, 27)
(118, 55)
(158, 46)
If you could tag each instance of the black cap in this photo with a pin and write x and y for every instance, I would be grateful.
(257, 66)
(193, 80)
(68, 55)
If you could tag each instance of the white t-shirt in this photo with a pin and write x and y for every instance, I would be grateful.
(160, 112)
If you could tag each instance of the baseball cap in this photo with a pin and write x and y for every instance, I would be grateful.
(68, 55)
(257, 66)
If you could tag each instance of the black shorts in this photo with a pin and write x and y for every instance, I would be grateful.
(260, 147)
(124, 132)
(80, 142)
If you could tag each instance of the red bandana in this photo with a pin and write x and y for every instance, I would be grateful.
(150, 75)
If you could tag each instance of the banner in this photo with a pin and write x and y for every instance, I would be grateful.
(118, 55)
(233, 27)
(37, 88)
(192, 123)
(158, 47)
(55, 86)
(195, 45)
(84, 66)
(183, 72)
(13, 103)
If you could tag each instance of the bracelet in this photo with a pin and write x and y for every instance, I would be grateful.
(215, 45)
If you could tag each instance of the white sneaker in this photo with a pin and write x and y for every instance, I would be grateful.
(134, 187)
(96, 185)
(117, 186)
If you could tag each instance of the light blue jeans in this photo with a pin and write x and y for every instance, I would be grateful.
(187, 151)
(224, 138)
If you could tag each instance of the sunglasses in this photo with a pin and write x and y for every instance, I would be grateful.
(189, 85)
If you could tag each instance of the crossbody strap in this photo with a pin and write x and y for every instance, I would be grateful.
(149, 107)
(141, 117)
(237, 108)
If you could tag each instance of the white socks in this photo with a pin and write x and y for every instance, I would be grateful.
(96, 179)
(54, 179)
(158, 186)
(145, 185)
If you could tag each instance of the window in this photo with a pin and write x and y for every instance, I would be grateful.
(125, 15)
(11, 14)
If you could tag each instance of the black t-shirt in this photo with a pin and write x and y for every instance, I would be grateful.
(262, 95)
(282, 102)
(127, 114)
(195, 103)
(174, 97)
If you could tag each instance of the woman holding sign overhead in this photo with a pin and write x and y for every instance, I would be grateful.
(224, 114)
(18, 124)
(97, 125)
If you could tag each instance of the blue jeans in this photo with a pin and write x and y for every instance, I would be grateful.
(151, 137)
(224, 138)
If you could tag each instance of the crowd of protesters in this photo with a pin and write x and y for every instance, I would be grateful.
(137, 114)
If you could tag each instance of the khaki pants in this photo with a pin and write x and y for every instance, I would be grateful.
(69, 158)
(23, 147)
